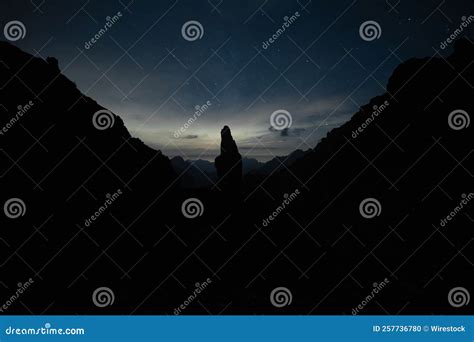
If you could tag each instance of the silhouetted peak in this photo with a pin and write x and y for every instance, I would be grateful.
(297, 154)
(407, 73)
(423, 97)
(52, 104)
(62, 98)
(229, 162)
(228, 144)
(225, 130)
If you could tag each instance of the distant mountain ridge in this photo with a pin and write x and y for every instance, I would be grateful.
(202, 173)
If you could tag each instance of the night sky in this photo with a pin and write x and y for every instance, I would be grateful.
(320, 70)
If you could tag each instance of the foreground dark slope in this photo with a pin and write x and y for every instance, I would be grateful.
(64, 169)
(416, 166)
(319, 247)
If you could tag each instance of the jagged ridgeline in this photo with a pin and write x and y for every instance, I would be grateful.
(92, 206)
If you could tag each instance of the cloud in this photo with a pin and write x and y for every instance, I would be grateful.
(298, 131)
(287, 132)
(190, 136)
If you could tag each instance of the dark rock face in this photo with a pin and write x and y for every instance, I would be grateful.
(70, 170)
(403, 149)
(228, 163)
(407, 154)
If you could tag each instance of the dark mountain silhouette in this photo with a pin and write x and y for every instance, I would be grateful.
(64, 169)
(418, 168)
(278, 163)
(195, 173)
(202, 173)
(229, 163)
(317, 244)
(250, 164)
